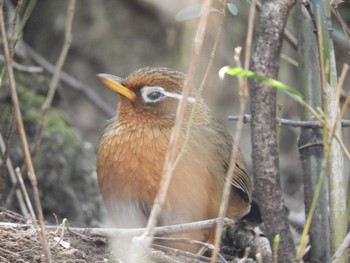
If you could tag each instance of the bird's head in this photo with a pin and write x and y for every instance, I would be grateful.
(152, 92)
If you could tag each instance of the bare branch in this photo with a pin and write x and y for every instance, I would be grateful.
(26, 196)
(293, 123)
(22, 133)
(158, 231)
(24, 68)
(13, 27)
(249, 39)
(342, 248)
(72, 82)
(55, 78)
(13, 178)
(243, 92)
(175, 135)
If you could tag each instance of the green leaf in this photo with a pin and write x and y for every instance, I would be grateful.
(191, 12)
(239, 72)
(232, 8)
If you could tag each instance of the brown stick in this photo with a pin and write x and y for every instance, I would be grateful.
(158, 231)
(25, 194)
(175, 135)
(249, 39)
(13, 27)
(293, 123)
(243, 91)
(72, 82)
(13, 178)
(22, 133)
(55, 78)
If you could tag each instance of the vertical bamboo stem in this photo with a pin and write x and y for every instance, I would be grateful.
(337, 180)
(311, 142)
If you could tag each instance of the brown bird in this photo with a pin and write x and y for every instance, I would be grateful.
(133, 146)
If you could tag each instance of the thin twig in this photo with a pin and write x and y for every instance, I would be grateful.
(206, 246)
(13, 27)
(293, 123)
(339, 115)
(245, 256)
(343, 25)
(22, 134)
(63, 226)
(181, 253)
(331, 128)
(175, 135)
(342, 248)
(249, 39)
(13, 179)
(158, 255)
(23, 68)
(201, 88)
(55, 77)
(112, 232)
(85, 90)
(8, 137)
(30, 7)
(26, 196)
(342, 77)
(290, 60)
(185, 241)
(243, 92)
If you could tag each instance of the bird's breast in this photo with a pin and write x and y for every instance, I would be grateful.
(130, 162)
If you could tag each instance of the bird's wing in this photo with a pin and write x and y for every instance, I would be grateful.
(241, 180)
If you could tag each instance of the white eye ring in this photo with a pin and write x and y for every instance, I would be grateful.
(152, 94)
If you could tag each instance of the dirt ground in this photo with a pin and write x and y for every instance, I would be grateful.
(23, 244)
(20, 242)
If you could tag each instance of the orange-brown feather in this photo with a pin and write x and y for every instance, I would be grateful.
(131, 155)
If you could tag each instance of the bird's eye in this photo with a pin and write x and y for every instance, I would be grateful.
(152, 94)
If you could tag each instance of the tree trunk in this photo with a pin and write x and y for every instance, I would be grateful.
(265, 58)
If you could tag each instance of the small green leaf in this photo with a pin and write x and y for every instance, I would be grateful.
(232, 8)
(234, 71)
(191, 12)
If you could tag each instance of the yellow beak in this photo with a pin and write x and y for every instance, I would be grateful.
(114, 83)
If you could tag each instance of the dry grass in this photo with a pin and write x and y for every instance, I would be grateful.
(23, 245)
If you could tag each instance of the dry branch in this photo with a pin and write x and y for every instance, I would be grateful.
(23, 68)
(14, 26)
(171, 155)
(293, 123)
(243, 96)
(22, 133)
(235, 237)
(159, 231)
(342, 248)
(72, 82)
(55, 78)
